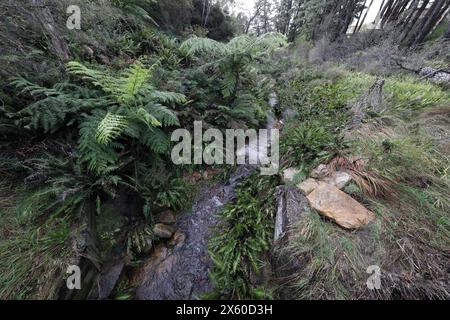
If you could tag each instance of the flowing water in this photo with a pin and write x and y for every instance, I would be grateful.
(179, 269)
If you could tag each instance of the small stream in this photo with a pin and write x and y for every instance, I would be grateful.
(179, 268)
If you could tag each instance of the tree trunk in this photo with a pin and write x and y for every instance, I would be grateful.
(385, 12)
(438, 8)
(360, 16)
(378, 17)
(410, 28)
(412, 9)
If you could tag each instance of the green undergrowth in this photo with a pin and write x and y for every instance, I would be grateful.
(34, 250)
(242, 238)
(404, 181)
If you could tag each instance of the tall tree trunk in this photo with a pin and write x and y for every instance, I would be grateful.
(409, 29)
(287, 16)
(434, 14)
(378, 17)
(386, 12)
(360, 16)
(412, 9)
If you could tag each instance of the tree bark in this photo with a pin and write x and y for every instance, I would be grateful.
(378, 17)
(438, 8)
(360, 17)
(409, 29)
(412, 9)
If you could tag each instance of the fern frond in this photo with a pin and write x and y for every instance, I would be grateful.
(228, 85)
(131, 82)
(240, 43)
(157, 140)
(27, 87)
(110, 128)
(163, 114)
(168, 97)
(97, 78)
(269, 42)
(56, 107)
(98, 157)
(196, 45)
(149, 119)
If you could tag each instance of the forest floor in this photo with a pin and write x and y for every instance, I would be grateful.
(389, 132)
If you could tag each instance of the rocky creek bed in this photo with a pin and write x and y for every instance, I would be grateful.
(178, 269)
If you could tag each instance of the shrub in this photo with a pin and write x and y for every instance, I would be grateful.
(307, 144)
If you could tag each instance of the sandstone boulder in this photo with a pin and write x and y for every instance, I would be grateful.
(338, 179)
(338, 206)
(308, 186)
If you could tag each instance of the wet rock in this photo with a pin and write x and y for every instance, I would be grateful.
(166, 217)
(308, 186)
(179, 269)
(339, 179)
(157, 270)
(109, 278)
(320, 172)
(292, 207)
(163, 231)
(338, 206)
(177, 239)
(289, 175)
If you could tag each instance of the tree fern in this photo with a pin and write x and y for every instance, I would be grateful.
(232, 61)
(136, 101)
(196, 45)
(245, 43)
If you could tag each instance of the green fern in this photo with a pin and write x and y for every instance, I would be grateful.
(57, 107)
(243, 44)
(97, 156)
(232, 61)
(136, 102)
(110, 128)
(131, 82)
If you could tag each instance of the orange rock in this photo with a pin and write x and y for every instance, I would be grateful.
(338, 206)
(308, 186)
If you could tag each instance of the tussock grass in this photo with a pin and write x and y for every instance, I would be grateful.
(399, 161)
(33, 254)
